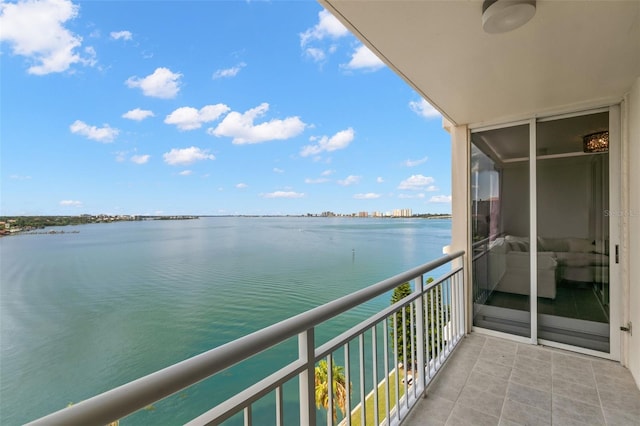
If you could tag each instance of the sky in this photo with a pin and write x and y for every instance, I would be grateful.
(207, 108)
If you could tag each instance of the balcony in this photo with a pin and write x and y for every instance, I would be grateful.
(491, 381)
(382, 368)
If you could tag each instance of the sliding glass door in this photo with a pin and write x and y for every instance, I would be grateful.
(541, 230)
(572, 190)
(500, 226)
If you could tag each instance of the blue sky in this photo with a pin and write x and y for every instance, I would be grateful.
(160, 107)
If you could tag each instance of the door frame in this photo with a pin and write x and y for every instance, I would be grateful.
(615, 290)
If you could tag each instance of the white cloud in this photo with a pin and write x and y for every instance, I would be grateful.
(277, 170)
(283, 194)
(424, 109)
(350, 180)
(416, 182)
(163, 83)
(315, 53)
(328, 26)
(186, 156)
(121, 35)
(340, 140)
(440, 199)
(327, 172)
(364, 59)
(138, 114)
(367, 196)
(413, 163)
(242, 129)
(19, 177)
(188, 118)
(185, 173)
(140, 159)
(72, 203)
(432, 188)
(314, 181)
(405, 196)
(312, 40)
(35, 30)
(228, 72)
(379, 179)
(104, 134)
(242, 186)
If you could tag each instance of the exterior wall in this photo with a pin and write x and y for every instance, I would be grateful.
(631, 217)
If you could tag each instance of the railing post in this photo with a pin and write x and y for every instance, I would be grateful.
(420, 334)
(306, 353)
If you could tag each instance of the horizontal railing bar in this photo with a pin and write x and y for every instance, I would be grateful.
(365, 325)
(248, 396)
(442, 279)
(133, 396)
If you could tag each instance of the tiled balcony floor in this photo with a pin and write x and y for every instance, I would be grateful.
(491, 381)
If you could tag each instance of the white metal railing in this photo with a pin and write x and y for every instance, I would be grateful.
(423, 327)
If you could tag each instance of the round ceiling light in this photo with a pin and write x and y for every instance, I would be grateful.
(501, 16)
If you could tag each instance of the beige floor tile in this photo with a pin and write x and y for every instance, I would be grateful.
(534, 352)
(525, 414)
(568, 411)
(626, 402)
(507, 422)
(531, 379)
(543, 386)
(431, 411)
(529, 396)
(484, 402)
(474, 339)
(466, 416)
(576, 391)
(487, 383)
(498, 357)
(576, 373)
(537, 366)
(487, 366)
(448, 384)
(615, 417)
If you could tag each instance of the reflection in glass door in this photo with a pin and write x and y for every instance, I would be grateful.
(572, 190)
(500, 228)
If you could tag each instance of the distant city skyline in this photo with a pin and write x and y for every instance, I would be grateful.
(251, 108)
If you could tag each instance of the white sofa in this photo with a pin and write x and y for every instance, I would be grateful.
(559, 259)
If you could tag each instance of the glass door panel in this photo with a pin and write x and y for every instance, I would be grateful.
(572, 192)
(500, 228)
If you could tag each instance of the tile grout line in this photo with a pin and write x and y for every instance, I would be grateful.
(593, 370)
(465, 383)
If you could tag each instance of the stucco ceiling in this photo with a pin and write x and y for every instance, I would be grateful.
(572, 53)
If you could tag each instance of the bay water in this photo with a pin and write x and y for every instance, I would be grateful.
(81, 313)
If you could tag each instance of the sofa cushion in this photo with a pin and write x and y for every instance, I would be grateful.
(571, 259)
(515, 243)
(553, 244)
(581, 245)
(520, 260)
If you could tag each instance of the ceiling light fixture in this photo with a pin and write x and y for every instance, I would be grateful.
(596, 142)
(501, 16)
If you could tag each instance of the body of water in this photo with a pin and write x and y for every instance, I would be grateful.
(82, 313)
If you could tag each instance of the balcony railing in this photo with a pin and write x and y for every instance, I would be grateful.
(389, 359)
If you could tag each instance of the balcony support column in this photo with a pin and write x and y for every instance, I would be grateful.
(306, 353)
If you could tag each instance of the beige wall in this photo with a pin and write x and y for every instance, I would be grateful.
(632, 220)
